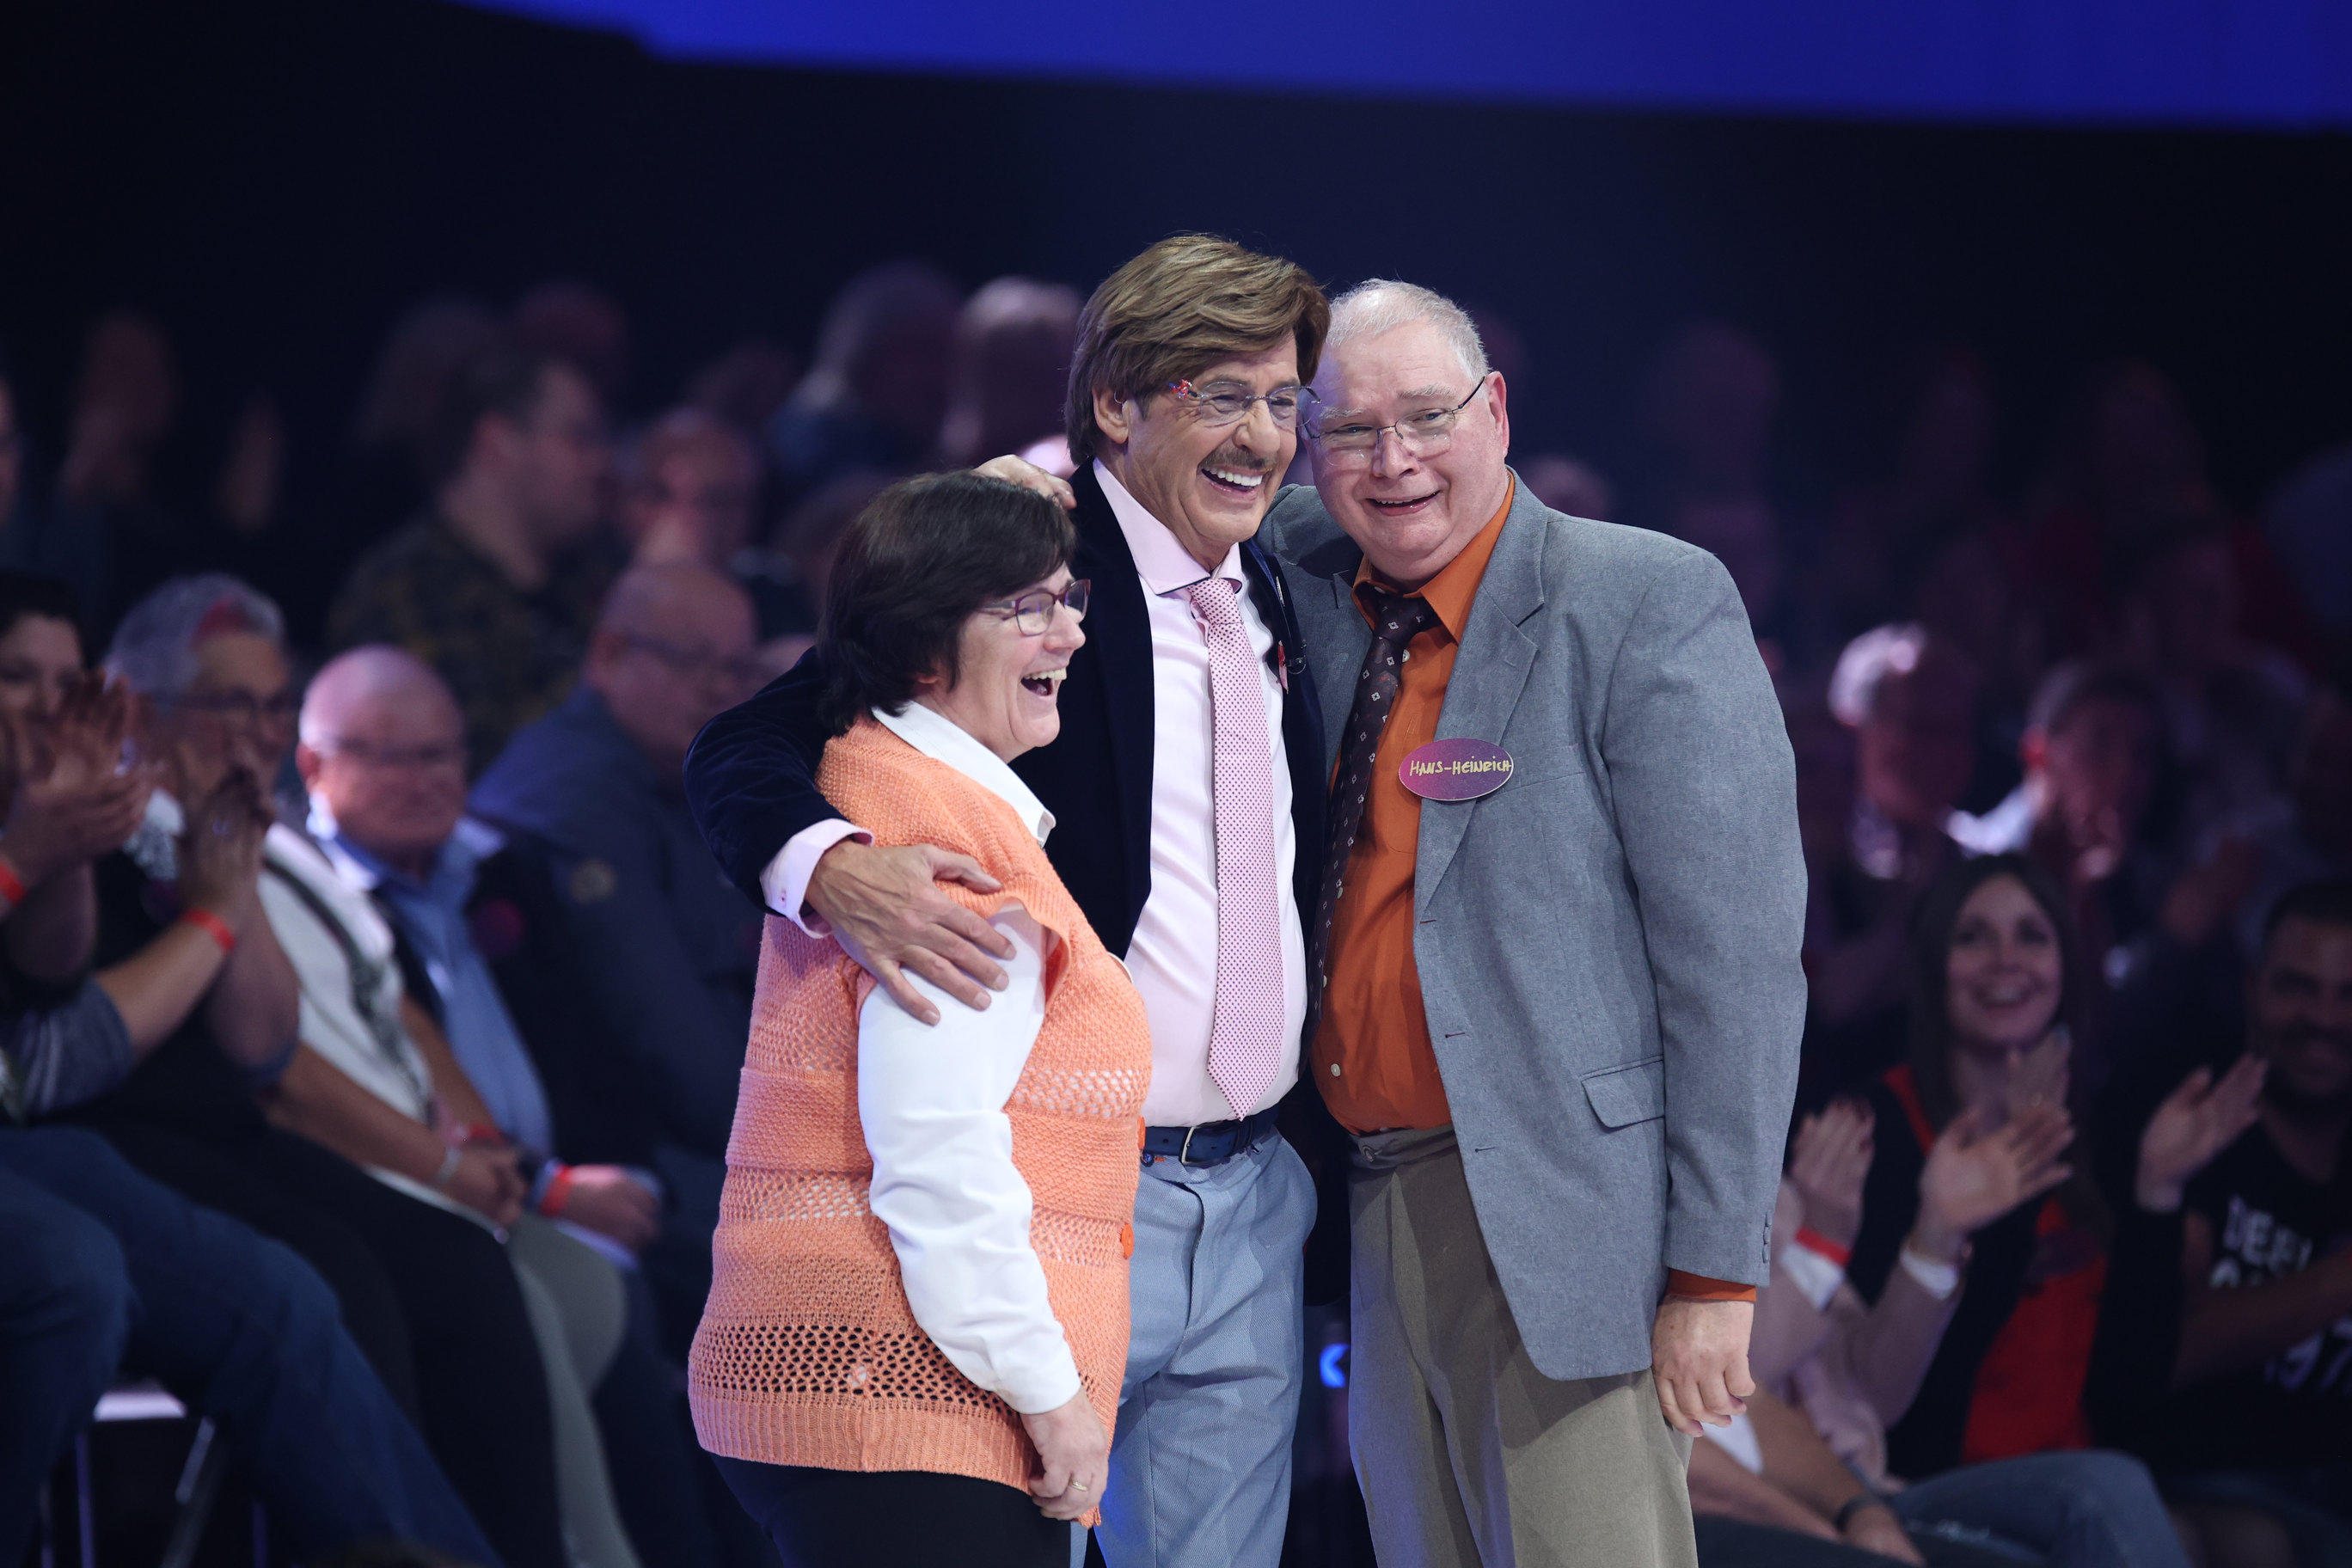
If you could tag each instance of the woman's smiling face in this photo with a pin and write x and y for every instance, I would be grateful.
(2003, 972)
(1008, 686)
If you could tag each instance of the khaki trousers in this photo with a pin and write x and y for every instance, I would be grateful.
(1467, 1455)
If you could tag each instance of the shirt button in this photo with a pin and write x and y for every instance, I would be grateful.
(1335, 1069)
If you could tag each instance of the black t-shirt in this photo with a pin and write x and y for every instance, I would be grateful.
(2268, 1221)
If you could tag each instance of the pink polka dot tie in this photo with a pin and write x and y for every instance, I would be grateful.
(1245, 1043)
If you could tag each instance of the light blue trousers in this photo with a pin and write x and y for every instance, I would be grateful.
(1200, 1468)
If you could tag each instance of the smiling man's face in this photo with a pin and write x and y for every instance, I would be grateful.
(1210, 487)
(1409, 513)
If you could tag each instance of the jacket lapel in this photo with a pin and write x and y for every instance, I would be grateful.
(1490, 672)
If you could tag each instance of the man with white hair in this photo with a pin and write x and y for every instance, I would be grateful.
(1555, 959)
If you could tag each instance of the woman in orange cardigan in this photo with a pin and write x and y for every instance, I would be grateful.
(917, 1322)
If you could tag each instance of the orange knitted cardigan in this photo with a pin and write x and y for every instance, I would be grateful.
(808, 1352)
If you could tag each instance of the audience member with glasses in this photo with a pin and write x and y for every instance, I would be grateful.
(1187, 793)
(986, 1318)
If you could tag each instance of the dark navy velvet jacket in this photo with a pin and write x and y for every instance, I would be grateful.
(750, 778)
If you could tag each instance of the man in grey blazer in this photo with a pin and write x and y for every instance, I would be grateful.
(1559, 1018)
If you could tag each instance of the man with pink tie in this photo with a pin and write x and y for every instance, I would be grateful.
(1187, 792)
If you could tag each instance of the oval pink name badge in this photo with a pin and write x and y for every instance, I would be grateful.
(1459, 769)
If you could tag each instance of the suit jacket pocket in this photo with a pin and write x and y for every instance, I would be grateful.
(1622, 1096)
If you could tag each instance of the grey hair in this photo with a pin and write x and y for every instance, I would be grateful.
(1868, 661)
(154, 649)
(1379, 304)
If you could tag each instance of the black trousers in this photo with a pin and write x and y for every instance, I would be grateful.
(896, 1519)
(435, 1292)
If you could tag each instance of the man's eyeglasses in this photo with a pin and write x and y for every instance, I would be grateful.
(700, 663)
(1425, 432)
(1224, 402)
(1034, 612)
(241, 706)
(429, 758)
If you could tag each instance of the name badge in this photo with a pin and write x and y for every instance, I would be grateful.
(1460, 769)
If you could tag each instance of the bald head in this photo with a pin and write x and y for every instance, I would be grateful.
(383, 753)
(356, 685)
(672, 649)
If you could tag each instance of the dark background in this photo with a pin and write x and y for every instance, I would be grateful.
(274, 181)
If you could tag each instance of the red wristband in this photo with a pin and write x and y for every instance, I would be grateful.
(1814, 1241)
(480, 1133)
(557, 1194)
(213, 926)
(12, 886)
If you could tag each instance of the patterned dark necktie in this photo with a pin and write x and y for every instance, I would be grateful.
(1396, 621)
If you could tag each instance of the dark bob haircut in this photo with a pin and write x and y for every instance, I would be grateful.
(919, 560)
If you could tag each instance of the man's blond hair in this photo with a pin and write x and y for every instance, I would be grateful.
(1179, 308)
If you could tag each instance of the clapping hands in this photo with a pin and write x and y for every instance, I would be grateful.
(1976, 1173)
(1833, 1155)
(72, 801)
(2195, 1122)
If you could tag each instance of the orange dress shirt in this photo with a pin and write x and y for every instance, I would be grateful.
(1371, 1056)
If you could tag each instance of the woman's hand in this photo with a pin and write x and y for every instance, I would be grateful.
(1073, 1457)
(1973, 1177)
(220, 850)
(1831, 1157)
(1874, 1528)
(609, 1201)
(2195, 1122)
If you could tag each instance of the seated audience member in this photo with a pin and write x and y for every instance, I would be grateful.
(1968, 1183)
(1852, 1370)
(2306, 836)
(104, 529)
(384, 481)
(2232, 703)
(495, 586)
(109, 1269)
(1569, 485)
(879, 391)
(690, 488)
(213, 1009)
(383, 759)
(2254, 1335)
(1011, 375)
(661, 947)
(2094, 756)
(1911, 704)
(951, 617)
(361, 1085)
(580, 324)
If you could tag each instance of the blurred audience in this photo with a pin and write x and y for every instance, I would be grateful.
(877, 393)
(2042, 892)
(2232, 1376)
(663, 950)
(213, 1010)
(1907, 698)
(495, 586)
(1011, 371)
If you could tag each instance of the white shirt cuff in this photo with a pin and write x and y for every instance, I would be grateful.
(1816, 1276)
(1939, 1279)
(785, 884)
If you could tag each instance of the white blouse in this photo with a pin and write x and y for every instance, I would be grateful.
(930, 1100)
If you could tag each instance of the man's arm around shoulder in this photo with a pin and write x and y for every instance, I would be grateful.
(750, 782)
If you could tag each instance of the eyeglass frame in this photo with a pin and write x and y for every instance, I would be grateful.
(1454, 418)
(242, 705)
(403, 759)
(1083, 587)
(694, 664)
(1186, 395)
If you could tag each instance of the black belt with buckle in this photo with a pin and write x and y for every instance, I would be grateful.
(1208, 1142)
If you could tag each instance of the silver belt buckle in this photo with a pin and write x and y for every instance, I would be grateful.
(1184, 1154)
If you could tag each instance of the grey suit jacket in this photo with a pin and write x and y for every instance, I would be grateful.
(1608, 944)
